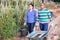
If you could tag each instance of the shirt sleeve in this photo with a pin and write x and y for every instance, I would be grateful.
(35, 16)
(50, 16)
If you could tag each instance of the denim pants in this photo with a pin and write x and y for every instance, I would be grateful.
(44, 26)
(30, 27)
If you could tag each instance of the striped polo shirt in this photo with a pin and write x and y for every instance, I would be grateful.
(44, 16)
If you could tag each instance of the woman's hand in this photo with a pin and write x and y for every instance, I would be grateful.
(24, 23)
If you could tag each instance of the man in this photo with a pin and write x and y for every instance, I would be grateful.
(44, 17)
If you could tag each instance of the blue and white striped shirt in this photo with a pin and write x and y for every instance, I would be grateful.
(44, 16)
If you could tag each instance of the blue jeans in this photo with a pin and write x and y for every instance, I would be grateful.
(30, 27)
(44, 26)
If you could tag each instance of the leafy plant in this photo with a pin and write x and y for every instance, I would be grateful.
(11, 20)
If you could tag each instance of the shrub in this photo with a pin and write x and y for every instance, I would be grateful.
(11, 21)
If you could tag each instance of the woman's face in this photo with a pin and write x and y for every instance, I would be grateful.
(42, 6)
(30, 7)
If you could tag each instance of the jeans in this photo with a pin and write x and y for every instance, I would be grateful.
(30, 27)
(44, 26)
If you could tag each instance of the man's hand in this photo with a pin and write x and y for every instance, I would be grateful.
(50, 26)
(48, 21)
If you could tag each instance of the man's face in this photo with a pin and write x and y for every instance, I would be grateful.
(42, 6)
(30, 7)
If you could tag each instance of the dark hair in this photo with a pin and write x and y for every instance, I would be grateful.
(42, 3)
(31, 4)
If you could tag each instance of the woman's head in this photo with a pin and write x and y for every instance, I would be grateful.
(42, 5)
(31, 6)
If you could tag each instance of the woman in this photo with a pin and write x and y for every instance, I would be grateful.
(30, 18)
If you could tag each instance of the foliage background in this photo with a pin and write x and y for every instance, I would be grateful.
(11, 19)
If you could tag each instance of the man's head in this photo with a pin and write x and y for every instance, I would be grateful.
(31, 6)
(42, 5)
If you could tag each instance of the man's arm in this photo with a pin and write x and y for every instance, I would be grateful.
(50, 16)
(38, 17)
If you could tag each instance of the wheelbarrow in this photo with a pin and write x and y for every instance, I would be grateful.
(37, 35)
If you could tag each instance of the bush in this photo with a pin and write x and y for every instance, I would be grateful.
(7, 25)
(56, 0)
(11, 21)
